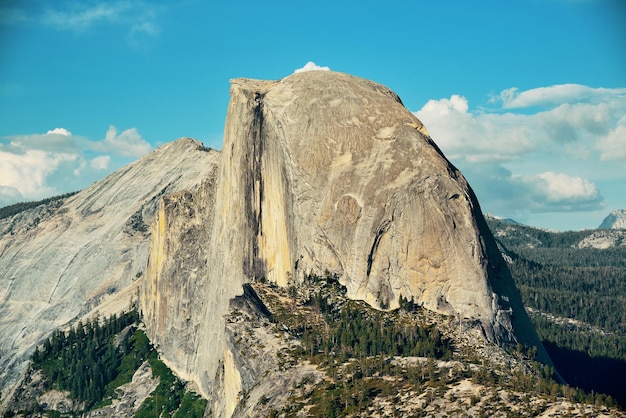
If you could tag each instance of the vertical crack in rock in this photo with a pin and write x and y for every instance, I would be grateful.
(254, 194)
(384, 226)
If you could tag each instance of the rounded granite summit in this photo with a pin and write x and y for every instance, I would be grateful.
(324, 171)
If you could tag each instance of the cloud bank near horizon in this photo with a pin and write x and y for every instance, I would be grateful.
(37, 166)
(521, 155)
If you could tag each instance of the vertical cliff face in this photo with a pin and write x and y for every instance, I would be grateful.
(319, 172)
(189, 282)
(254, 207)
(176, 276)
(331, 172)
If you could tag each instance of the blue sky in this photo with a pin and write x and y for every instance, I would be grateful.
(527, 98)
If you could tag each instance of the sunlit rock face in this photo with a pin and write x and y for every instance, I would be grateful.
(86, 253)
(320, 173)
(614, 220)
(326, 171)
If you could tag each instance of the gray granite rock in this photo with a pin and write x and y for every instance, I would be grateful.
(89, 250)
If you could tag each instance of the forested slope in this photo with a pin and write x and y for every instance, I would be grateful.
(577, 299)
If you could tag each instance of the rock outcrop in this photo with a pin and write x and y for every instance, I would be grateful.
(321, 172)
(326, 171)
(614, 220)
(601, 239)
(60, 262)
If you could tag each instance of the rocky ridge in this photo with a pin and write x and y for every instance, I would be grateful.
(86, 253)
(602, 239)
(615, 220)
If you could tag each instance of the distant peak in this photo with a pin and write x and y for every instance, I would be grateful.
(499, 218)
(183, 144)
(615, 220)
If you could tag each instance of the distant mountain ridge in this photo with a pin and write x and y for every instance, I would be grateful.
(611, 236)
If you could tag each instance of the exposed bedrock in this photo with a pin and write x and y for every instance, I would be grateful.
(321, 172)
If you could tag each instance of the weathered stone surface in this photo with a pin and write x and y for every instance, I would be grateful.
(87, 252)
(172, 299)
(602, 239)
(329, 171)
(130, 396)
(319, 172)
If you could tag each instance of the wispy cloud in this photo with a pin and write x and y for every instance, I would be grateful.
(83, 17)
(13, 16)
(523, 152)
(555, 95)
(127, 144)
(35, 166)
(138, 17)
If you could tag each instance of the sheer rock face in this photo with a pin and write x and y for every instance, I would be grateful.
(320, 172)
(326, 171)
(181, 307)
(87, 254)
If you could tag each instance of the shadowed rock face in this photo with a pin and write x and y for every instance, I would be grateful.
(321, 172)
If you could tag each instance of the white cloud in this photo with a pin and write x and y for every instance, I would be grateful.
(311, 66)
(101, 162)
(554, 95)
(27, 172)
(36, 166)
(613, 145)
(53, 141)
(59, 131)
(140, 18)
(583, 127)
(538, 160)
(559, 191)
(129, 143)
(443, 107)
(475, 137)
